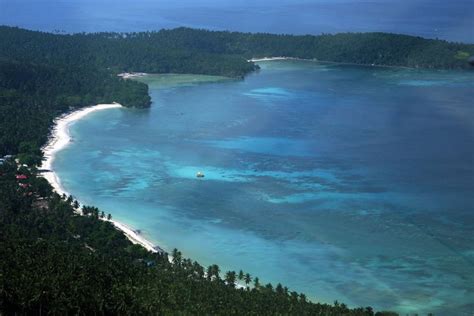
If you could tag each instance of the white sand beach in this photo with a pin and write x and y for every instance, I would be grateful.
(129, 75)
(58, 140)
(270, 59)
(135, 237)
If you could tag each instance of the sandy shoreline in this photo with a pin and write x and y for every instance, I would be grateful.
(256, 60)
(130, 75)
(272, 58)
(58, 140)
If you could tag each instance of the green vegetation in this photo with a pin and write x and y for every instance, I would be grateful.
(32, 95)
(461, 55)
(43, 75)
(57, 262)
(54, 261)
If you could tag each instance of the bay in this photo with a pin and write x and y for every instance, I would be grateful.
(343, 182)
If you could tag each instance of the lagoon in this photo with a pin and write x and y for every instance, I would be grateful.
(342, 182)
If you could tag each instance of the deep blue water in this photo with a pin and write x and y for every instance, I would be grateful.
(452, 20)
(347, 183)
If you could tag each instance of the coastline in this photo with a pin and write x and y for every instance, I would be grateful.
(254, 60)
(279, 58)
(131, 75)
(58, 140)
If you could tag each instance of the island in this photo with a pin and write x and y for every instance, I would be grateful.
(61, 257)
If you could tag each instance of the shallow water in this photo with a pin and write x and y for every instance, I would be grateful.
(343, 182)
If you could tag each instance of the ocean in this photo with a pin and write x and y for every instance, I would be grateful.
(452, 20)
(343, 182)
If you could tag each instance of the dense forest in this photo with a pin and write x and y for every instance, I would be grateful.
(185, 50)
(32, 95)
(54, 261)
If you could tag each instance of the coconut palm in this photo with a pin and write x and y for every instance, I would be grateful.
(269, 287)
(294, 296)
(176, 257)
(70, 199)
(215, 271)
(247, 278)
(279, 289)
(209, 273)
(302, 298)
(256, 283)
(241, 275)
(230, 278)
(198, 269)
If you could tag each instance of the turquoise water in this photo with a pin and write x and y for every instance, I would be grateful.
(347, 183)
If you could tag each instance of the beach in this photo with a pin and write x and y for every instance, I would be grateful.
(131, 75)
(58, 140)
(254, 60)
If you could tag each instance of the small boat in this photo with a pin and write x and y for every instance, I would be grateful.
(200, 174)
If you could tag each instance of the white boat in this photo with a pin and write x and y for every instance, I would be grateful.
(199, 174)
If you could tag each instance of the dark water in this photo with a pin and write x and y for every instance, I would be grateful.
(452, 20)
(347, 183)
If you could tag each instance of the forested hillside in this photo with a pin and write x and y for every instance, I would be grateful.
(32, 95)
(186, 50)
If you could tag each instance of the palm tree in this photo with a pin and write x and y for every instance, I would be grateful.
(241, 275)
(247, 278)
(198, 269)
(75, 204)
(70, 199)
(230, 278)
(215, 271)
(85, 210)
(294, 296)
(209, 273)
(176, 257)
(269, 287)
(279, 289)
(302, 298)
(188, 265)
(256, 283)
(109, 217)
